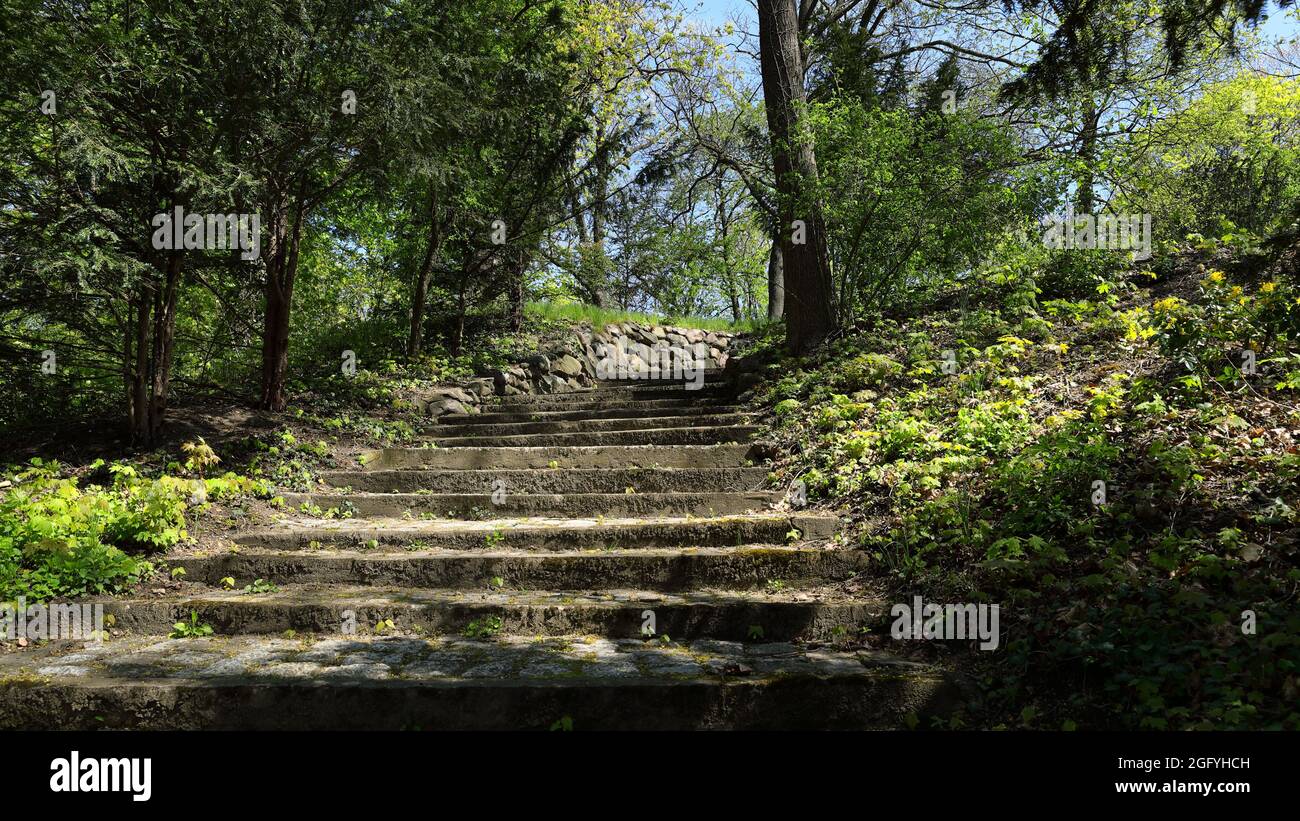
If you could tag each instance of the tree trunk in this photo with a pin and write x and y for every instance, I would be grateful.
(282, 268)
(458, 330)
(1085, 196)
(775, 283)
(420, 293)
(516, 289)
(164, 344)
(810, 315)
(140, 373)
(275, 346)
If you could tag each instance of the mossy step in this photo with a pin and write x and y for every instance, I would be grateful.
(631, 391)
(587, 425)
(485, 505)
(591, 456)
(546, 534)
(264, 683)
(787, 615)
(698, 435)
(550, 480)
(612, 412)
(603, 401)
(662, 569)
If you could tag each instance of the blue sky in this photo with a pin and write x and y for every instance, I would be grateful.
(718, 11)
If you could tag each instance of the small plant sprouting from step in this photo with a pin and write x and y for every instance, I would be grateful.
(553, 464)
(774, 585)
(177, 572)
(484, 628)
(496, 583)
(755, 632)
(373, 544)
(228, 583)
(794, 535)
(564, 724)
(262, 586)
(191, 629)
(384, 626)
(495, 537)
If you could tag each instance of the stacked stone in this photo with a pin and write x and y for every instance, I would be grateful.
(573, 364)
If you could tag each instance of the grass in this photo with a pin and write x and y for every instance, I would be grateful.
(578, 312)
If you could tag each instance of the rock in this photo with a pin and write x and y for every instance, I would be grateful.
(459, 394)
(539, 362)
(694, 335)
(567, 365)
(446, 406)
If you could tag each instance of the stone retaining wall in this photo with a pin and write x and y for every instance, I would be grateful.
(618, 350)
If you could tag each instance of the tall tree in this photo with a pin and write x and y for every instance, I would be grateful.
(810, 314)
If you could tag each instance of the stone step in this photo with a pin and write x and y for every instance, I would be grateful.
(617, 411)
(662, 569)
(396, 683)
(482, 505)
(612, 400)
(548, 480)
(591, 425)
(790, 615)
(711, 376)
(629, 391)
(545, 534)
(561, 458)
(704, 435)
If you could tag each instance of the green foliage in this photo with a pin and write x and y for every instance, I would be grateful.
(574, 312)
(1126, 524)
(57, 539)
(1226, 167)
(191, 629)
(484, 628)
(67, 537)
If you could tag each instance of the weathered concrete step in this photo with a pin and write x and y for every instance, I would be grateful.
(614, 613)
(594, 425)
(483, 506)
(547, 480)
(710, 435)
(590, 400)
(557, 458)
(263, 683)
(547, 534)
(611, 412)
(666, 569)
(711, 376)
(629, 392)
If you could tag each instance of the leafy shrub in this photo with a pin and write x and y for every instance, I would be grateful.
(59, 540)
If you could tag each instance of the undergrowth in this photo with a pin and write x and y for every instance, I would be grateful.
(1119, 473)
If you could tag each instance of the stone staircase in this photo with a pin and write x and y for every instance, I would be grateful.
(601, 559)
